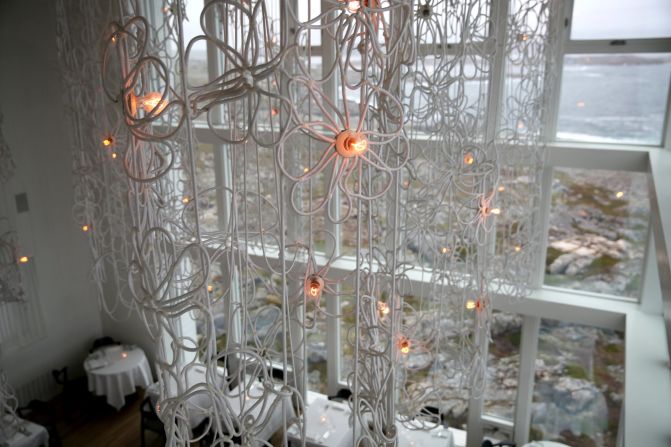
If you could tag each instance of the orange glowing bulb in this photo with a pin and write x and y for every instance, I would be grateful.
(151, 101)
(357, 145)
(23, 259)
(114, 155)
(518, 248)
(353, 5)
(314, 286)
(404, 346)
(383, 308)
(185, 200)
(444, 250)
(210, 288)
(469, 159)
(470, 304)
(274, 111)
(350, 143)
(85, 228)
(501, 188)
(306, 170)
(108, 141)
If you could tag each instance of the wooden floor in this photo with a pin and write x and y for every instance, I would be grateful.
(78, 419)
(81, 420)
(109, 428)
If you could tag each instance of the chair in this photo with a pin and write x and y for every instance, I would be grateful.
(342, 395)
(102, 342)
(434, 413)
(149, 420)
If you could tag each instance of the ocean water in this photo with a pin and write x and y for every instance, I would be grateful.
(614, 98)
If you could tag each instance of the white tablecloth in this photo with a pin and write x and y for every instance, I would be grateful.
(436, 437)
(115, 372)
(243, 402)
(30, 435)
(326, 423)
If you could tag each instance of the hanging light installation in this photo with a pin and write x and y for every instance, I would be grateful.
(384, 154)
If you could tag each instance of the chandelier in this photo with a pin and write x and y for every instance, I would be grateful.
(376, 175)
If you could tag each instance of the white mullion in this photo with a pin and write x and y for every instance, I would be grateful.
(545, 208)
(666, 132)
(333, 348)
(560, 14)
(525, 387)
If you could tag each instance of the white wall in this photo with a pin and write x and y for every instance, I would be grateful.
(35, 129)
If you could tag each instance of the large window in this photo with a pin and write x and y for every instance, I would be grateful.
(598, 231)
(579, 385)
(596, 242)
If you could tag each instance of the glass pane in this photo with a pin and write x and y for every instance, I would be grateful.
(503, 365)
(317, 371)
(579, 385)
(618, 98)
(598, 231)
(621, 19)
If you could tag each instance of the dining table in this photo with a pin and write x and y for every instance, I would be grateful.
(249, 400)
(116, 371)
(22, 433)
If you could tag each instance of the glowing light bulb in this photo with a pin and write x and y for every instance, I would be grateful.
(24, 259)
(85, 228)
(124, 355)
(108, 141)
(495, 211)
(185, 200)
(619, 194)
(501, 188)
(444, 250)
(115, 37)
(274, 111)
(469, 159)
(314, 286)
(306, 170)
(518, 248)
(404, 346)
(383, 308)
(470, 304)
(114, 155)
(350, 143)
(353, 6)
(322, 419)
(522, 37)
(151, 102)
(210, 288)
